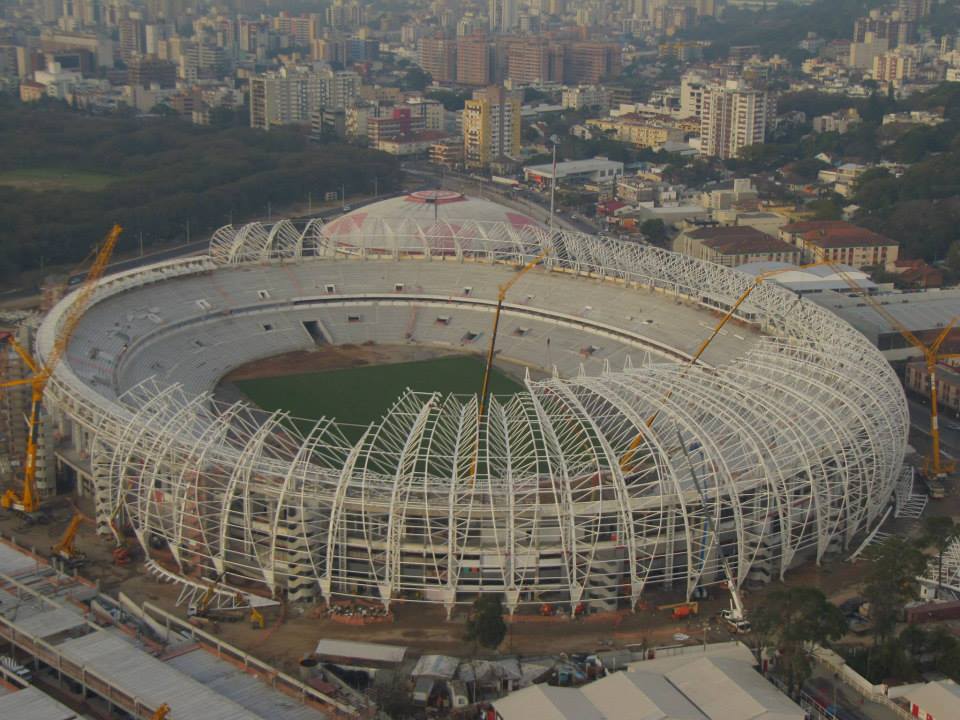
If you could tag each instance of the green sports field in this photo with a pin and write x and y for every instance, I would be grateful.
(360, 395)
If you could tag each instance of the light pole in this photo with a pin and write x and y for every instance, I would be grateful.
(553, 179)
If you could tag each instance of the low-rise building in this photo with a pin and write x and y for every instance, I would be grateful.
(581, 97)
(766, 222)
(447, 152)
(740, 193)
(838, 122)
(917, 379)
(837, 241)
(734, 245)
(596, 170)
(913, 117)
(418, 143)
(639, 131)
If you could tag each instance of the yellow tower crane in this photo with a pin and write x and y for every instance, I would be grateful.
(27, 501)
(935, 468)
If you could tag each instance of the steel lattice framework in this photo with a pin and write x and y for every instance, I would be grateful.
(798, 445)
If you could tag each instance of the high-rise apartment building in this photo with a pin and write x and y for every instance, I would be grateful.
(438, 56)
(133, 40)
(913, 10)
(290, 96)
(733, 116)
(504, 15)
(144, 71)
(893, 68)
(587, 63)
(473, 60)
(491, 126)
(893, 28)
(345, 15)
(531, 61)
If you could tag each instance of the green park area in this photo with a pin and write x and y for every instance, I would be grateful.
(360, 395)
(42, 179)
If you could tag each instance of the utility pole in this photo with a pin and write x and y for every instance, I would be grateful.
(553, 179)
(343, 195)
(188, 231)
(309, 203)
(376, 186)
(141, 243)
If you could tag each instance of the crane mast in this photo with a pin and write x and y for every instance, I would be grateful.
(27, 500)
(935, 467)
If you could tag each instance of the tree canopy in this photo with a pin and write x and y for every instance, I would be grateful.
(791, 618)
(891, 581)
(486, 625)
(157, 174)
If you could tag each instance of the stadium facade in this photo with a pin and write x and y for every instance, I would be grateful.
(621, 469)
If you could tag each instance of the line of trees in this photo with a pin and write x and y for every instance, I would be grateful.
(168, 174)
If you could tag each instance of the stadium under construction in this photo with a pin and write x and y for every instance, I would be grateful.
(628, 463)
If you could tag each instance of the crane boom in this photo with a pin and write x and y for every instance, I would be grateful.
(501, 296)
(27, 501)
(635, 443)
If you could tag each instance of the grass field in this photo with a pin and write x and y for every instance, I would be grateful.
(363, 394)
(40, 179)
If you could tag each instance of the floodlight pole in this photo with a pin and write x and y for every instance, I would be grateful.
(553, 180)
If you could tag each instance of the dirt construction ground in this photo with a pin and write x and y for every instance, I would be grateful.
(294, 630)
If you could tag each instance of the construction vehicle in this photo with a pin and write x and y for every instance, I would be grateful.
(65, 547)
(257, 621)
(734, 617)
(682, 610)
(121, 550)
(201, 607)
(935, 467)
(27, 501)
(501, 296)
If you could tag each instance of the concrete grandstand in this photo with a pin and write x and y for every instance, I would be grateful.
(581, 489)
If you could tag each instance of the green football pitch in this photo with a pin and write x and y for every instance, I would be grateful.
(363, 394)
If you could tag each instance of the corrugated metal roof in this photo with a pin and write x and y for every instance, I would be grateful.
(31, 704)
(640, 696)
(545, 702)
(718, 685)
(152, 680)
(361, 650)
(13, 562)
(50, 623)
(244, 689)
(436, 666)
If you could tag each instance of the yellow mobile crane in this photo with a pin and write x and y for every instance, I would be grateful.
(65, 548)
(935, 468)
(27, 500)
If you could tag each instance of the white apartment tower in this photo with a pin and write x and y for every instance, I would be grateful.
(291, 95)
(503, 14)
(733, 116)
